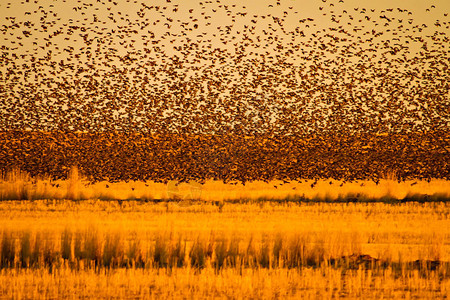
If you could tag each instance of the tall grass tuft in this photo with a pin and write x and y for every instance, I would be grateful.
(264, 254)
(220, 253)
(161, 252)
(135, 257)
(77, 248)
(177, 254)
(66, 244)
(434, 248)
(92, 247)
(113, 254)
(35, 255)
(25, 249)
(276, 252)
(8, 250)
(49, 255)
(197, 254)
(316, 254)
(250, 258)
(294, 254)
(233, 257)
(303, 251)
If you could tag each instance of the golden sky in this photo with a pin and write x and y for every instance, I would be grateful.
(208, 15)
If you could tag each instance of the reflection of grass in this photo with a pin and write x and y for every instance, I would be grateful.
(19, 186)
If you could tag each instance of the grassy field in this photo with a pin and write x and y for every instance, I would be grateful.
(93, 248)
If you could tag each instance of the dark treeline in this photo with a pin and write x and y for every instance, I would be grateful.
(121, 156)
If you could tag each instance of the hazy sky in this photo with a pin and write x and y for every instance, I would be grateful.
(208, 15)
(160, 18)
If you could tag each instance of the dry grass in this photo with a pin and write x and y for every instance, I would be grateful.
(18, 185)
(230, 283)
(231, 244)
(55, 249)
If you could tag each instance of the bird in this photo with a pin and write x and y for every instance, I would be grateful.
(127, 92)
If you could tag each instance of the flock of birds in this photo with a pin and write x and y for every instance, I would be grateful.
(122, 156)
(217, 67)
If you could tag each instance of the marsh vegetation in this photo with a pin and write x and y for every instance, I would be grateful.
(206, 250)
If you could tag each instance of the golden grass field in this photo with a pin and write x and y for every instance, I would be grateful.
(223, 241)
(103, 249)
